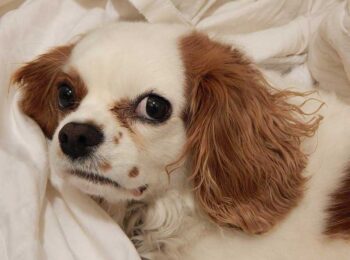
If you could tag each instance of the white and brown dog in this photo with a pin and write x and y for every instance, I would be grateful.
(213, 162)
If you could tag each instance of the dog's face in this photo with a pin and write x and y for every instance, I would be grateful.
(117, 103)
(129, 100)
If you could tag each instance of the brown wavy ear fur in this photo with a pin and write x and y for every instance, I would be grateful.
(37, 81)
(243, 138)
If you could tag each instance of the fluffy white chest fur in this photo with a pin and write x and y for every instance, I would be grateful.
(202, 157)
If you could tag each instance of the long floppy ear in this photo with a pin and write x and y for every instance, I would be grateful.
(243, 138)
(36, 81)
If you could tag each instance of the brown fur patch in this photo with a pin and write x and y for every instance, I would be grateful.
(125, 113)
(338, 222)
(38, 81)
(124, 110)
(105, 166)
(134, 172)
(243, 138)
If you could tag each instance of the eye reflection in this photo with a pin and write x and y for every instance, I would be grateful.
(66, 96)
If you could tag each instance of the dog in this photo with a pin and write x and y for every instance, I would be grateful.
(204, 154)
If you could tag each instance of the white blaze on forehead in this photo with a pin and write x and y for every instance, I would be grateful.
(125, 60)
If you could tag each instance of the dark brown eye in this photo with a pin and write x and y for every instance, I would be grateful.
(154, 108)
(66, 96)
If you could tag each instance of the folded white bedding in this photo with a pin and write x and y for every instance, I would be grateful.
(41, 220)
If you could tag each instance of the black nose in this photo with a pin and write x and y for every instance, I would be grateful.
(78, 140)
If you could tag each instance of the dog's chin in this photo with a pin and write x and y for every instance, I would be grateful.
(101, 186)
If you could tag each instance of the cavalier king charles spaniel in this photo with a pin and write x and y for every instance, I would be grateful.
(201, 154)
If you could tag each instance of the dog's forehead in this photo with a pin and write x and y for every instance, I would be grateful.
(125, 60)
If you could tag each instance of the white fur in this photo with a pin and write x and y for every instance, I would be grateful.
(115, 63)
(124, 61)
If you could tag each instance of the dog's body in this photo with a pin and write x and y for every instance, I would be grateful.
(173, 224)
(218, 164)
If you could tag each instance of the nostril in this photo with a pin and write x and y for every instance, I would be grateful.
(82, 140)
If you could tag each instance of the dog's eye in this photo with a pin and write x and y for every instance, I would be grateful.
(154, 108)
(66, 97)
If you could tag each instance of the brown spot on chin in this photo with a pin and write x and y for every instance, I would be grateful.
(134, 172)
(105, 166)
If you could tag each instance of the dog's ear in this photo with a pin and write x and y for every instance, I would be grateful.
(243, 138)
(36, 81)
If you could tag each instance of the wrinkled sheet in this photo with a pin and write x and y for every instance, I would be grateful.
(41, 220)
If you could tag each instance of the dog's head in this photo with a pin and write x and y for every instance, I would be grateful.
(130, 101)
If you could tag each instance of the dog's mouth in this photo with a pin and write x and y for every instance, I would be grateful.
(102, 180)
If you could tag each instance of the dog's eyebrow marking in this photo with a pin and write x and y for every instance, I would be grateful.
(134, 172)
(124, 110)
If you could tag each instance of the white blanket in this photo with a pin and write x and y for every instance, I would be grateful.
(39, 220)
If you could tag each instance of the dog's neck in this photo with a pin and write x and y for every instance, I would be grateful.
(161, 227)
(164, 222)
